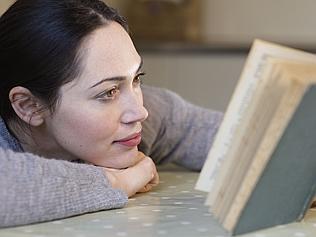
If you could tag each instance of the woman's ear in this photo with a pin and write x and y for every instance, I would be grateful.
(26, 106)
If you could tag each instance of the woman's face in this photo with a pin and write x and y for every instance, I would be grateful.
(99, 115)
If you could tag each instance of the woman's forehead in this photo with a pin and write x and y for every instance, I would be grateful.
(111, 50)
(108, 52)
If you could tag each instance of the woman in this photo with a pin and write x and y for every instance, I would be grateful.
(70, 90)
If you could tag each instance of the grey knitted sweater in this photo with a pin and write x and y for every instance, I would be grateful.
(35, 189)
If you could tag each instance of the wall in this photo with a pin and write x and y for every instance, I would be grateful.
(4, 4)
(286, 21)
(206, 79)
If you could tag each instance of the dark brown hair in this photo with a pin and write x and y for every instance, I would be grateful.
(39, 46)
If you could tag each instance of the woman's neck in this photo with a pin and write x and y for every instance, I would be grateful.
(34, 140)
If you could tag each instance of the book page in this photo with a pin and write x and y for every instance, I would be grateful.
(242, 142)
(242, 97)
(261, 112)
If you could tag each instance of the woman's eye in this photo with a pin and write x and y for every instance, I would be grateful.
(109, 94)
(138, 79)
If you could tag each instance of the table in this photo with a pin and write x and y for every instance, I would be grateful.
(173, 209)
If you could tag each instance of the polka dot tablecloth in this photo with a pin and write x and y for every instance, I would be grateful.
(174, 208)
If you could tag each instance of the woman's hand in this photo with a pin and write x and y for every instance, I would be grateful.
(141, 177)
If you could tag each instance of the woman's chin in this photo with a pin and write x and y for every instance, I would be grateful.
(120, 161)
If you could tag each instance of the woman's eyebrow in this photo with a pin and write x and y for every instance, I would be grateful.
(118, 78)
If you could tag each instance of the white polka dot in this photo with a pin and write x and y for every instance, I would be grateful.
(68, 229)
(199, 196)
(165, 198)
(153, 193)
(108, 226)
(162, 182)
(172, 186)
(96, 220)
(144, 204)
(147, 224)
(156, 210)
(260, 235)
(57, 222)
(171, 216)
(185, 191)
(314, 224)
(281, 226)
(132, 199)
(162, 232)
(207, 214)
(133, 218)
(178, 203)
(192, 208)
(121, 234)
(202, 229)
(299, 234)
(28, 231)
(120, 212)
(185, 222)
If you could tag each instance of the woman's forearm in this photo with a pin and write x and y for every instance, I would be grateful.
(34, 189)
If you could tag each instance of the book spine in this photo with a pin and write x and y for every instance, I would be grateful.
(308, 202)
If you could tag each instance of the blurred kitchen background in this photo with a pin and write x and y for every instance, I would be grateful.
(197, 48)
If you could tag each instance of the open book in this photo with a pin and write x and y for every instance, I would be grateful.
(261, 170)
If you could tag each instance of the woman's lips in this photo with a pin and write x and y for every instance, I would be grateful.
(131, 141)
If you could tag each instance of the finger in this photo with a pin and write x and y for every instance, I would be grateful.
(141, 154)
(140, 175)
(145, 189)
(139, 157)
(152, 183)
(155, 180)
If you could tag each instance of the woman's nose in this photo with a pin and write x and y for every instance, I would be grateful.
(134, 110)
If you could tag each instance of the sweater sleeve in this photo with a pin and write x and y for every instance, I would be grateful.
(176, 130)
(34, 189)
